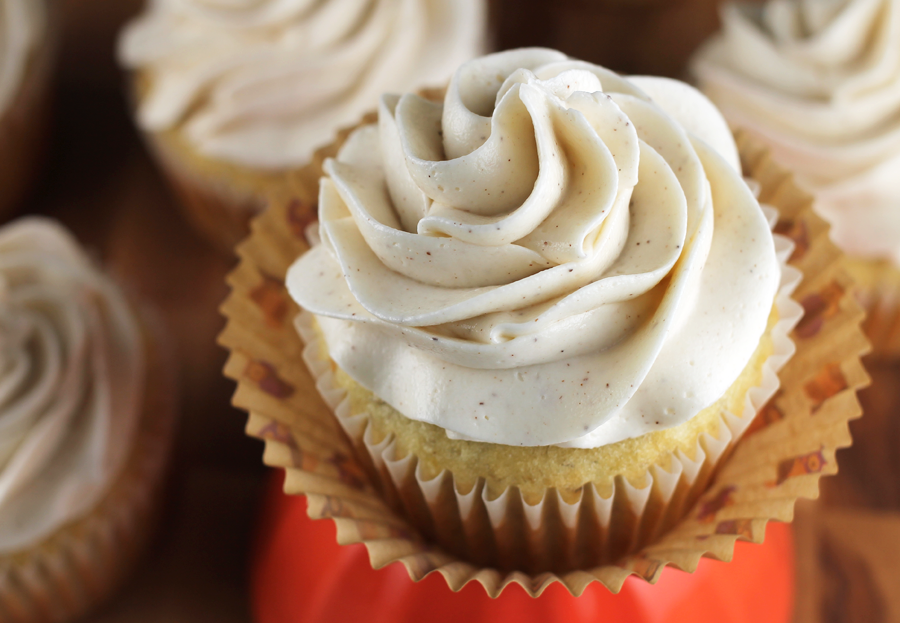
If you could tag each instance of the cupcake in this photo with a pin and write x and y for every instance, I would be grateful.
(26, 61)
(85, 420)
(543, 310)
(544, 284)
(818, 83)
(232, 97)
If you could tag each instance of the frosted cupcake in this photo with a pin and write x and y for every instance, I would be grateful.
(554, 282)
(26, 58)
(85, 421)
(819, 83)
(232, 97)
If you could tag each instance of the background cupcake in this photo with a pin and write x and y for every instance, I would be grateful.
(819, 83)
(232, 97)
(27, 46)
(85, 422)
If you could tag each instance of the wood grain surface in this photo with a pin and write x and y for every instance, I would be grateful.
(100, 182)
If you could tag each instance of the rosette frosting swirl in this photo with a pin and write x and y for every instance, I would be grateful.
(264, 82)
(71, 369)
(819, 81)
(554, 255)
(22, 24)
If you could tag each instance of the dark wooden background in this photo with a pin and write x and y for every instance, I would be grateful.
(100, 182)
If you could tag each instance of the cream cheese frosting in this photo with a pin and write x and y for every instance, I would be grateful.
(553, 255)
(22, 24)
(819, 82)
(71, 373)
(263, 83)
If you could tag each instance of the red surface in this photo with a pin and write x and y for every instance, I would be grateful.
(300, 574)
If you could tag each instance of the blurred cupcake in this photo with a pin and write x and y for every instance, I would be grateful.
(819, 83)
(26, 58)
(85, 422)
(232, 97)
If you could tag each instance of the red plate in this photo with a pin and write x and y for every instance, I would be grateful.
(300, 574)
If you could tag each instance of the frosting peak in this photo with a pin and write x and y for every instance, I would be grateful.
(264, 82)
(71, 369)
(548, 257)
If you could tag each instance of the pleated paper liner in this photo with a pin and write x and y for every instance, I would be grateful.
(787, 448)
(83, 563)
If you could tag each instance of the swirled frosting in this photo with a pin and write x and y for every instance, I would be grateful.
(819, 81)
(22, 24)
(554, 255)
(71, 369)
(264, 82)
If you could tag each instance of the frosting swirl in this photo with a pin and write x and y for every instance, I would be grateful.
(548, 257)
(71, 369)
(819, 81)
(22, 24)
(264, 82)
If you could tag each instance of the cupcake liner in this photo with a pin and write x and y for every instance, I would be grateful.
(82, 563)
(25, 125)
(788, 446)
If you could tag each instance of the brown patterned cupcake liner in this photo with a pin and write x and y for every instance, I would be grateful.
(83, 563)
(787, 448)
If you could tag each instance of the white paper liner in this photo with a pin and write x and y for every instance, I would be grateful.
(686, 477)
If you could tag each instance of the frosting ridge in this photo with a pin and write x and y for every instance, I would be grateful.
(546, 255)
(71, 370)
